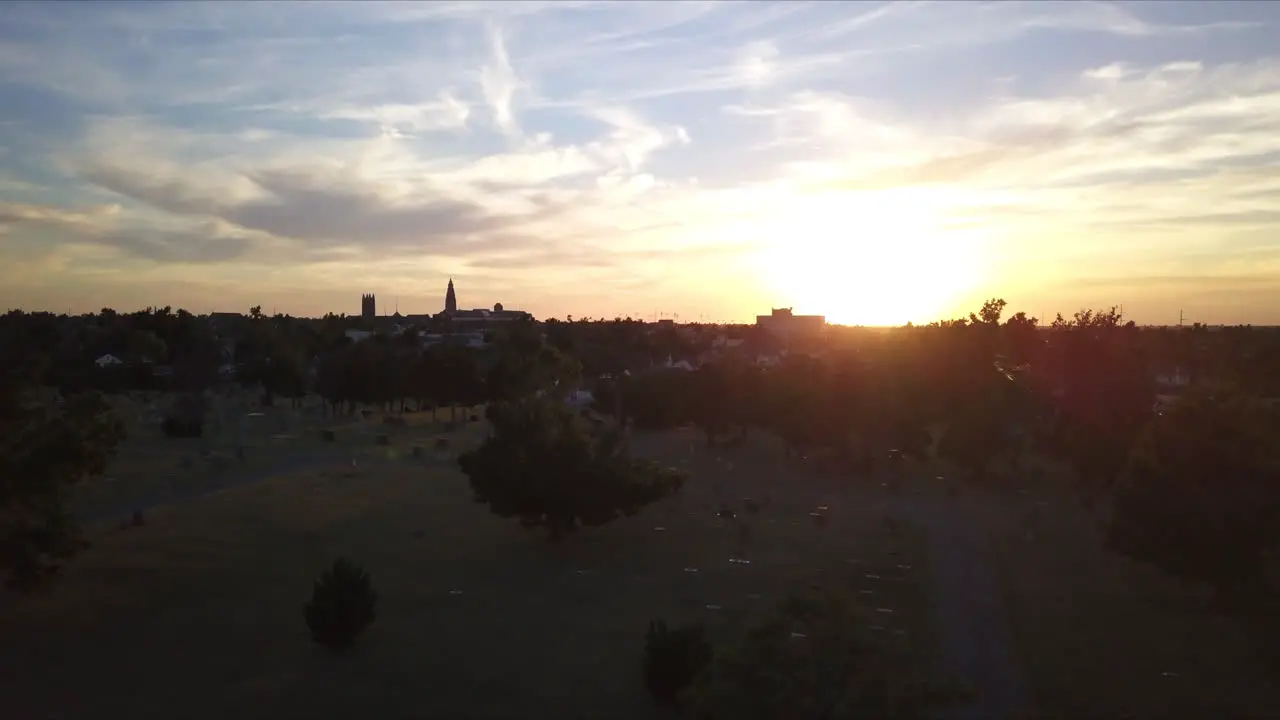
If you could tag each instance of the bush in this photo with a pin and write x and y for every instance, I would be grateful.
(176, 428)
(185, 416)
(816, 657)
(673, 659)
(342, 605)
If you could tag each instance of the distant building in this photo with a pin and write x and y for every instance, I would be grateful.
(783, 324)
(478, 316)
(368, 307)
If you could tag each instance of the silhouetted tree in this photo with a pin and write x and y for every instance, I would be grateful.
(546, 466)
(1198, 497)
(44, 453)
(1104, 397)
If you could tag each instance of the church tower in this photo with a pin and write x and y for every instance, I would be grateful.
(450, 300)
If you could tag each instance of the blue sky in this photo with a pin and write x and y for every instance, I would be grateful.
(879, 162)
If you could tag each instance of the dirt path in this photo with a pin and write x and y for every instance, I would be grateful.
(976, 641)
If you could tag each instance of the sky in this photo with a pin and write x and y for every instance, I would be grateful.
(877, 163)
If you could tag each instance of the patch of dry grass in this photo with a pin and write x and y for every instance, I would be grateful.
(198, 613)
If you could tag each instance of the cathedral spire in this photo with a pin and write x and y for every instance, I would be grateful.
(450, 299)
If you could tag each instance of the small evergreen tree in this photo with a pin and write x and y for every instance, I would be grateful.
(673, 659)
(342, 605)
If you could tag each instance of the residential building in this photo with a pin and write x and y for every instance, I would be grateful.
(784, 324)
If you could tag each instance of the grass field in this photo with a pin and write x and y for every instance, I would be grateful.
(150, 467)
(197, 614)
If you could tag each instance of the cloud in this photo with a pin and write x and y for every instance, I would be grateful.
(323, 214)
(103, 226)
(447, 112)
(499, 83)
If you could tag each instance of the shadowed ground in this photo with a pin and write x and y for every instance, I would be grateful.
(197, 614)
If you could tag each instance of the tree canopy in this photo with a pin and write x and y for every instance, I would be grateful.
(545, 465)
(44, 453)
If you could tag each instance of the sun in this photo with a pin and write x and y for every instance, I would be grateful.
(869, 259)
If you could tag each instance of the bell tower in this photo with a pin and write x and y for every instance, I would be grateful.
(450, 299)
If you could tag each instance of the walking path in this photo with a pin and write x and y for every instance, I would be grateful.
(976, 641)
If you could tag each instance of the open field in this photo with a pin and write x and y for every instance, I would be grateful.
(198, 613)
(150, 468)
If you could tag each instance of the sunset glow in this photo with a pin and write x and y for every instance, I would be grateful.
(873, 163)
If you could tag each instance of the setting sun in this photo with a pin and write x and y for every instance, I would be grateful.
(869, 259)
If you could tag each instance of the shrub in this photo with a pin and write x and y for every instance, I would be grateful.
(815, 656)
(342, 605)
(673, 659)
(185, 417)
(176, 428)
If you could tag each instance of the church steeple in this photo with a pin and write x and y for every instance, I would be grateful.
(450, 300)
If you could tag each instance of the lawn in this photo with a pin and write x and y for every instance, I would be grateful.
(149, 467)
(198, 613)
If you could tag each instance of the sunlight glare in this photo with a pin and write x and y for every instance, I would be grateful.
(868, 259)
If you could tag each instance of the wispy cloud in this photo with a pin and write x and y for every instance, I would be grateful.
(711, 158)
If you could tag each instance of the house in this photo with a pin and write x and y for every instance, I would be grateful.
(580, 399)
(769, 361)
(782, 323)
(108, 360)
(1173, 380)
(684, 365)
